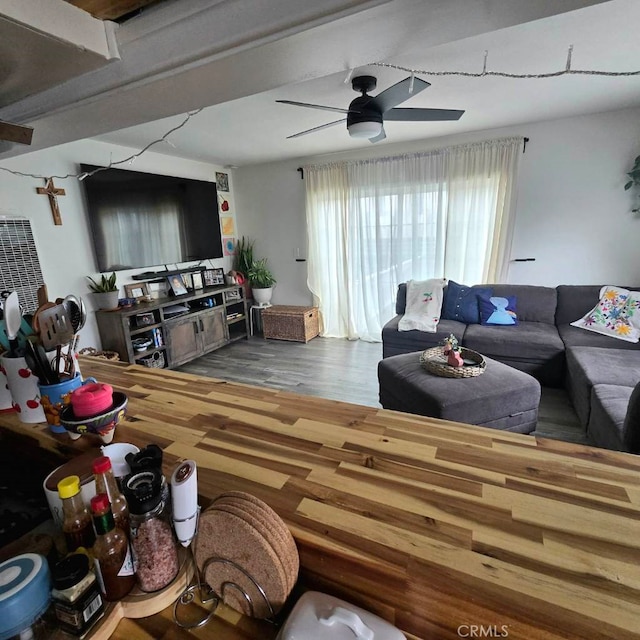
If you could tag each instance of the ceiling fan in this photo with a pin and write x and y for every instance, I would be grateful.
(366, 114)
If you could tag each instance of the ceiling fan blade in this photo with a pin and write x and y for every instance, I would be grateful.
(398, 93)
(322, 126)
(313, 106)
(15, 133)
(423, 115)
(381, 136)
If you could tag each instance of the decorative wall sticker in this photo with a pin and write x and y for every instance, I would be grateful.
(228, 226)
(222, 181)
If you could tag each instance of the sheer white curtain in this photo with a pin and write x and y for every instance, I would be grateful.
(374, 223)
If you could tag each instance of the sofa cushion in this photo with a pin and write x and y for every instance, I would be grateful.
(574, 337)
(589, 366)
(495, 310)
(535, 304)
(395, 342)
(533, 347)
(461, 302)
(401, 298)
(611, 315)
(533, 341)
(609, 404)
(575, 300)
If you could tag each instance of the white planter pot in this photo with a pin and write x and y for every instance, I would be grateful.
(107, 300)
(262, 296)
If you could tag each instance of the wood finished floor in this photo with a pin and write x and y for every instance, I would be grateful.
(344, 370)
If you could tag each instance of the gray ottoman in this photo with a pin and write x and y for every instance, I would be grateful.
(500, 398)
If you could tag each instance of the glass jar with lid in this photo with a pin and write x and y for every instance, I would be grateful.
(77, 602)
(155, 551)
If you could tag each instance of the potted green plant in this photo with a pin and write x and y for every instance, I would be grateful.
(261, 280)
(634, 174)
(105, 291)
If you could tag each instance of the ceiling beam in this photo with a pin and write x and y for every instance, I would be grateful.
(214, 52)
(109, 9)
(15, 133)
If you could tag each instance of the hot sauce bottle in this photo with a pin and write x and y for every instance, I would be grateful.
(76, 519)
(112, 557)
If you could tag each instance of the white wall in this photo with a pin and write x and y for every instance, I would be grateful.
(65, 252)
(573, 215)
(271, 210)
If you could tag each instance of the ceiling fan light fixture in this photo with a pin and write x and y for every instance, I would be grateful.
(367, 129)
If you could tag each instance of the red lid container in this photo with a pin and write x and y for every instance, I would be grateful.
(100, 503)
(91, 399)
(101, 464)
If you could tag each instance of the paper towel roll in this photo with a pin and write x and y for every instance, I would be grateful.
(184, 501)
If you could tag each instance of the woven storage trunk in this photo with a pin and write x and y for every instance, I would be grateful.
(284, 322)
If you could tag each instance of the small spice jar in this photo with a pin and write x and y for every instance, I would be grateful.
(76, 597)
(155, 551)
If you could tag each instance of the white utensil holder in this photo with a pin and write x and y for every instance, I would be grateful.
(23, 385)
(5, 394)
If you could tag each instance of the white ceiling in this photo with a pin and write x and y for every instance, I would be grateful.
(306, 58)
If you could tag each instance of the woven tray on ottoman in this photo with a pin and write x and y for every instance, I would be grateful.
(501, 398)
(284, 322)
(434, 361)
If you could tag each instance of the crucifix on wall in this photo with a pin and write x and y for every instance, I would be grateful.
(53, 192)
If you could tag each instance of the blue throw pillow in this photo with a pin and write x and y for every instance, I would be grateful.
(497, 310)
(461, 303)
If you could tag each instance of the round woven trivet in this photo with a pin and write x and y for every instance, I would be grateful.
(225, 535)
(272, 527)
(239, 510)
(434, 361)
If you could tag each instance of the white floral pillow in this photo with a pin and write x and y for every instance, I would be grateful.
(633, 309)
(617, 315)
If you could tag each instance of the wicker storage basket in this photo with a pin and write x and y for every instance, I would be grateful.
(434, 361)
(155, 360)
(283, 322)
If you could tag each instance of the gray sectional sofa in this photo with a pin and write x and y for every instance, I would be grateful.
(602, 374)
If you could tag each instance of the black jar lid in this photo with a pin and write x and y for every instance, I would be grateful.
(149, 458)
(143, 491)
(70, 570)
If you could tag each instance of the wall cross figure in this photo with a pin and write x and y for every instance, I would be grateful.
(52, 192)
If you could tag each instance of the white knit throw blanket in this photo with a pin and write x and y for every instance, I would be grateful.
(424, 305)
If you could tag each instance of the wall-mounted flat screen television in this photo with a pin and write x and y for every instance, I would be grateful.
(145, 220)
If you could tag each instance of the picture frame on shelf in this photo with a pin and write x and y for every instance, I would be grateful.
(177, 284)
(137, 290)
(232, 296)
(213, 277)
(196, 279)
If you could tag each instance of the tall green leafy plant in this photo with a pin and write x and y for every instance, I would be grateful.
(243, 260)
(634, 174)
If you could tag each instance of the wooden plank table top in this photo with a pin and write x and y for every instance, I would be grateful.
(433, 525)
